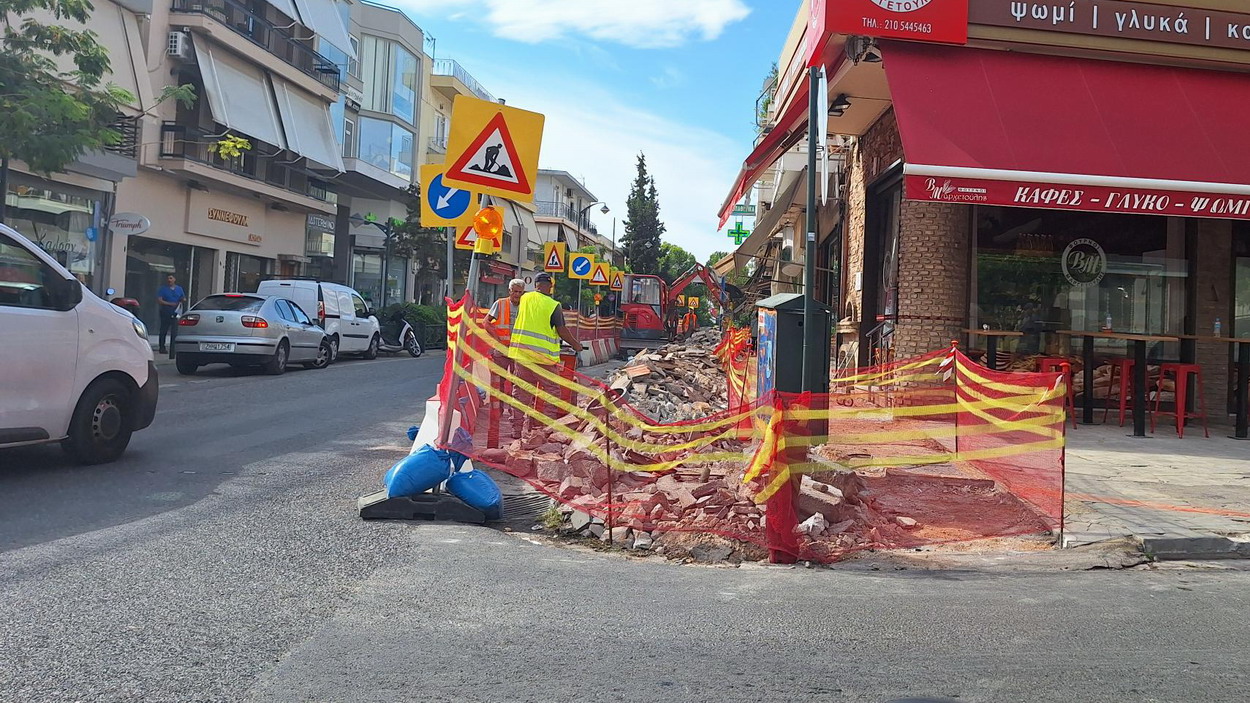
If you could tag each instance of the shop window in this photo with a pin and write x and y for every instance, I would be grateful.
(244, 273)
(60, 222)
(149, 261)
(1041, 271)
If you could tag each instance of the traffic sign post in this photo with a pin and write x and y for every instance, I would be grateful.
(443, 205)
(581, 266)
(555, 254)
(618, 280)
(493, 148)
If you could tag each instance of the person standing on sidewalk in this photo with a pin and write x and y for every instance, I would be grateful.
(169, 298)
(536, 336)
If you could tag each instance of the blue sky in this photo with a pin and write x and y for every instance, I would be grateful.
(676, 79)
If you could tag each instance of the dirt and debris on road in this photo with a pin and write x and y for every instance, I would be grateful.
(677, 382)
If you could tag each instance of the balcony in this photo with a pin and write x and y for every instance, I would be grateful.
(128, 145)
(450, 67)
(436, 145)
(548, 208)
(192, 145)
(262, 33)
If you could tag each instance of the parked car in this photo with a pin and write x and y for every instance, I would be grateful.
(245, 329)
(73, 368)
(341, 311)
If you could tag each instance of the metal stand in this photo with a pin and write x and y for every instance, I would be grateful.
(1087, 374)
(1139, 388)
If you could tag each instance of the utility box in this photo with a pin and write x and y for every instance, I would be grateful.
(779, 343)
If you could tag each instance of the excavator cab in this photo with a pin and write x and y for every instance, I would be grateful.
(644, 308)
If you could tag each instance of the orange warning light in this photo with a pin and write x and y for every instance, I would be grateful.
(488, 223)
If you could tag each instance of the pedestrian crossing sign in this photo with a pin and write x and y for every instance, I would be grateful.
(493, 148)
(618, 280)
(599, 276)
(554, 256)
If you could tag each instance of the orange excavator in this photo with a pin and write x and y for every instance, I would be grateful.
(651, 315)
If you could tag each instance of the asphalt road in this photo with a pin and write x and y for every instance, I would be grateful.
(252, 579)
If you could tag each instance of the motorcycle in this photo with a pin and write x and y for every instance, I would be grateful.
(403, 339)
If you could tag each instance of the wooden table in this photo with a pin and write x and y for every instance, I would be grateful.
(1242, 394)
(1139, 372)
(991, 344)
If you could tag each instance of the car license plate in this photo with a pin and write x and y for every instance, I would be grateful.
(216, 346)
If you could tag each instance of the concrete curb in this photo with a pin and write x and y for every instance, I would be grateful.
(1196, 548)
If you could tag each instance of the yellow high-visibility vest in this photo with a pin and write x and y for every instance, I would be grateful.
(534, 340)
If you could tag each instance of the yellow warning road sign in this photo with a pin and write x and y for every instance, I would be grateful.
(493, 148)
(581, 266)
(443, 205)
(618, 280)
(693, 301)
(555, 256)
(466, 237)
(599, 276)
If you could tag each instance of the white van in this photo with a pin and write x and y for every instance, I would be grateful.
(341, 312)
(73, 368)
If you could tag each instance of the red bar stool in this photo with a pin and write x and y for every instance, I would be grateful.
(1180, 373)
(1061, 365)
(1124, 369)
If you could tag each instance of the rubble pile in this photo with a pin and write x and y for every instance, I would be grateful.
(677, 382)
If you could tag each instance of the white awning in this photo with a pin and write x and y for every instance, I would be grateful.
(309, 131)
(286, 7)
(239, 95)
(326, 19)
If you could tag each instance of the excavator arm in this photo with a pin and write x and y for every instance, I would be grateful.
(708, 278)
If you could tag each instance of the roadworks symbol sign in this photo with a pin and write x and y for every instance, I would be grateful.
(467, 238)
(618, 281)
(599, 276)
(493, 148)
(554, 256)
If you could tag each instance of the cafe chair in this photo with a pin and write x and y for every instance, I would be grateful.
(1180, 374)
(1123, 369)
(1061, 365)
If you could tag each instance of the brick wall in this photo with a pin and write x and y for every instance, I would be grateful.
(879, 148)
(1212, 261)
(933, 276)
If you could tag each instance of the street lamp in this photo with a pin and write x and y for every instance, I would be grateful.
(389, 231)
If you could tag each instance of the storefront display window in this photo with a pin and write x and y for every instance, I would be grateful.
(149, 261)
(367, 275)
(65, 221)
(244, 273)
(1041, 271)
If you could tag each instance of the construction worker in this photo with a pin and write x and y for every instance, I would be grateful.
(536, 335)
(502, 313)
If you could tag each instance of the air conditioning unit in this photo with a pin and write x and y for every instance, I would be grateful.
(179, 46)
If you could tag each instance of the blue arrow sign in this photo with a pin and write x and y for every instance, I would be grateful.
(581, 265)
(447, 202)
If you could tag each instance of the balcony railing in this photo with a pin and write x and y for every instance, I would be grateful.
(128, 145)
(437, 145)
(568, 211)
(261, 32)
(183, 142)
(450, 67)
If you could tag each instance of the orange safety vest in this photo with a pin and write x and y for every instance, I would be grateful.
(503, 325)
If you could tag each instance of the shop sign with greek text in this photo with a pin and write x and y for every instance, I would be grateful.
(1084, 263)
(1112, 18)
(943, 21)
(1138, 201)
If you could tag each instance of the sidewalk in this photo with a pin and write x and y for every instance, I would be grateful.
(1184, 498)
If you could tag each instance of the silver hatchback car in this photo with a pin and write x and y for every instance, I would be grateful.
(245, 329)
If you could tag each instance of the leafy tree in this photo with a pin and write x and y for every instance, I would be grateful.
(674, 261)
(643, 228)
(52, 112)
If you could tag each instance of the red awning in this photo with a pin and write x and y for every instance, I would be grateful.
(1005, 128)
(788, 131)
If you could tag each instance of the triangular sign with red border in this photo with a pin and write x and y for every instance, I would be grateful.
(467, 238)
(599, 277)
(491, 160)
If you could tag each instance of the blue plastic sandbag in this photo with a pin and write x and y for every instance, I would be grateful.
(418, 472)
(478, 490)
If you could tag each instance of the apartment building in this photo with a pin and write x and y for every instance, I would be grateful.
(564, 206)
(222, 222)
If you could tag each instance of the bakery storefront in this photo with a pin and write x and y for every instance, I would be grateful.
(1082, 171)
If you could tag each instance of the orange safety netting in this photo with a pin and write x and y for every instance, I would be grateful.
(920, 451)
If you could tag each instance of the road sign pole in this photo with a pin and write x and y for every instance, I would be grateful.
(579, 310)
(450, 233)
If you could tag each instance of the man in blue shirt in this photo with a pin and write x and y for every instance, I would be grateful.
(169, 298)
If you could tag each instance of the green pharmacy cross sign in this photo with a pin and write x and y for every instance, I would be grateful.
(738, 234)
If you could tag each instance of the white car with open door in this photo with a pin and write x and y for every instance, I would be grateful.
(74, 369)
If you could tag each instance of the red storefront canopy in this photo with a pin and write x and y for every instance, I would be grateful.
(789, 130)
(1026, 130)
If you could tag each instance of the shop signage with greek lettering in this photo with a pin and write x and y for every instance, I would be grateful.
(944, 21)
(1137, 201)
(1084, 263)
(230, 218)
(1114, 18)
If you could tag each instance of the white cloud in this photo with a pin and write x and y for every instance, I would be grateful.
(668, 77)
(595, 135)
(638, 23)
